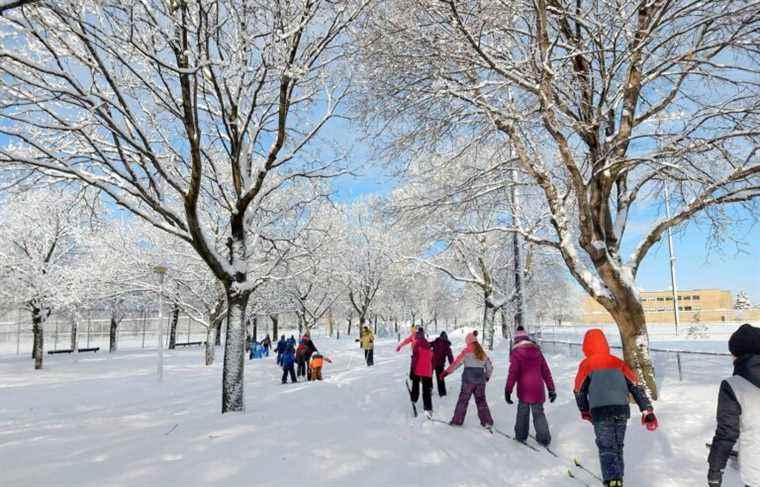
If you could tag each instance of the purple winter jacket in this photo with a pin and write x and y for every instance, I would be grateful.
(529, 370)
(441, 351)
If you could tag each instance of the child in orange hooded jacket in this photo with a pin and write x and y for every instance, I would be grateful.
(602, 387)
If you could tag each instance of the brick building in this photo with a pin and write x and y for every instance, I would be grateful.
(703, 305)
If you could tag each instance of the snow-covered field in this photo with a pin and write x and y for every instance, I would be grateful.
(104, 420)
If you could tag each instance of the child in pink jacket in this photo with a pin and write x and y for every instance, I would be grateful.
(477, 371)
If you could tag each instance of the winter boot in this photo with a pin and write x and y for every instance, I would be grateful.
(429, 414)
(614, 483)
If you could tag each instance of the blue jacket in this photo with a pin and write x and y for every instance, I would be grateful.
(288, 357)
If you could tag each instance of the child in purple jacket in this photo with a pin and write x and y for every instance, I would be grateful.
(529, 370)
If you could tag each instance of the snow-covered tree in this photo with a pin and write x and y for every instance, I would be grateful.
(44, 241)
(173, 108)
(599, 104)
(742, 301)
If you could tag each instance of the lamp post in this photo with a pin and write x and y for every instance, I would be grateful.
(160, 270)
(671, 251)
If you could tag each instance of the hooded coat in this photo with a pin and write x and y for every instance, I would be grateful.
(422, 356)
(476, 371)
(604, 382)
(529, 371)
(442, 351)
(739, 419)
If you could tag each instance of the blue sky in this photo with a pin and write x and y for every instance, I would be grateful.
(697, 265)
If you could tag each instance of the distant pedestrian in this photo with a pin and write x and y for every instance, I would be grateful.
(529, 371)
(441, 353)
(739, 411)
(477, 372)
(288, 361)
(602, 388)
(281, 346)
(315, 366)
(368, 345)
(267, 344)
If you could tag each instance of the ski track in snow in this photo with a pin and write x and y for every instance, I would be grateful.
(104, 420)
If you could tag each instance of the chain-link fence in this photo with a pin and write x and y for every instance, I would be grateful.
(138, 330)
(670, 365)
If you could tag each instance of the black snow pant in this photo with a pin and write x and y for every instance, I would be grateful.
(427, 391)
(522, 423)
(369, 356)
(610, 439)
(302, 367)
(288, 370)
(441, 382)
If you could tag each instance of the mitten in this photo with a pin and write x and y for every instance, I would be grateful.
(552, 396)
(649, 420)
(714, 478)
(586, 416)
(508, 397)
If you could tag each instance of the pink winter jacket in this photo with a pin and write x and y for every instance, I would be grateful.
(467, 358)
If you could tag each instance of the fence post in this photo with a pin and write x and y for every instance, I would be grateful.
(89, 326)
(18, 333)
(143, 333)
(680, 372)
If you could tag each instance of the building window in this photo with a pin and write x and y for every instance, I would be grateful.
(695, 298)
(687, 298)
(660, 299)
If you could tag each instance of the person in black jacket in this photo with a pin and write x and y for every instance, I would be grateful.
(441, 352)
(738, 413)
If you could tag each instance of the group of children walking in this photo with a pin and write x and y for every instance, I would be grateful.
(305, 358)
(602, 387)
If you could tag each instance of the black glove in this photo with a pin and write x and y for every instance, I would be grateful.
(552, 396)
(508, 397)
(714, 478)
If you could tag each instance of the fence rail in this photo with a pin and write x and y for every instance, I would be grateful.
(713, 368)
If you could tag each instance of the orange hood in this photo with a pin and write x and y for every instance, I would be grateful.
(595, 343)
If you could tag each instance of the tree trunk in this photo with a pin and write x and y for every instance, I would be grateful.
(435, 322)
(506, 330)
(631, 321)
(350, 318)
(112, 337)
(173, 328)
(218, 335)
(75, 333)
(38, 323)
(210, 344)
(275, 325)
(234, 352)
(414, 316)
(375, 325)
(395, 325)
(489, 316)
(255, 329)
(300, 324)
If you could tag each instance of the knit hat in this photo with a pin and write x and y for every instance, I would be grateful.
(745, 341)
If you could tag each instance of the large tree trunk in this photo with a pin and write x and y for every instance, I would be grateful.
(631, 321)
(375, 325)
(350, 318)
(489, 329)
(275, 325)
(255, 334)
(506, 330)
(219, 335)
(112, 335)
(234, 352)
(173, 328)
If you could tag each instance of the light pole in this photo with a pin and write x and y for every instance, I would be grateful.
(671, 251)
(160, 270)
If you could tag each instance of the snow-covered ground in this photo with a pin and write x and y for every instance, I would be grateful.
(104, 420)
